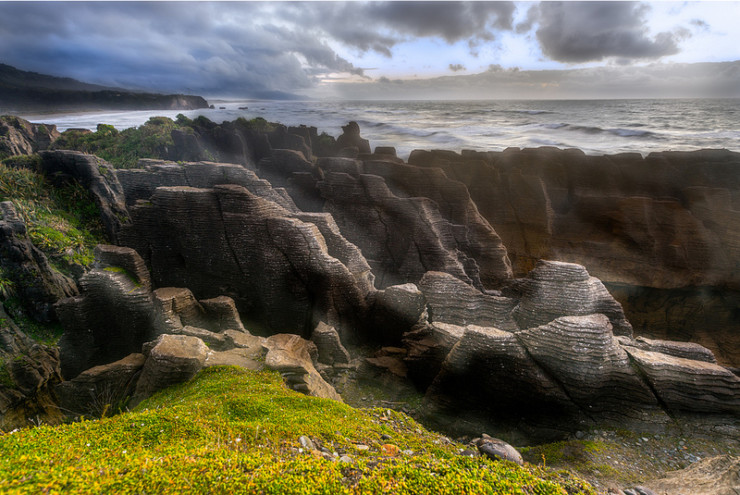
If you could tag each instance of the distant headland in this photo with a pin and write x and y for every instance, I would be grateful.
(30, 91)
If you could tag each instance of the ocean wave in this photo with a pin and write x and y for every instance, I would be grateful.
(617, 131)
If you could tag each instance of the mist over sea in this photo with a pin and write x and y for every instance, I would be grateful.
(594, 126)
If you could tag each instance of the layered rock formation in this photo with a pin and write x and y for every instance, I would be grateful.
(123, 341)
(298, 256)
(661, 231)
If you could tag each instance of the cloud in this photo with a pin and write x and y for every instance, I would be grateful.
(210, 48)
(590, 31)
(457, 67)
(380, 26)
(657, 80)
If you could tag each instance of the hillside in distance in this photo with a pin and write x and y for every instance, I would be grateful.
(22, 91)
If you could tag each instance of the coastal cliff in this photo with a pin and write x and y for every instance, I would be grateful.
(484, 282)
(22, 91)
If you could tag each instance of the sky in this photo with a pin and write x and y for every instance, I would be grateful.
(384, 50)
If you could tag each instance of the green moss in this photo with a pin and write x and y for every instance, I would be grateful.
(129, 275)
(231, 430)
(44, 333)
(6, 380)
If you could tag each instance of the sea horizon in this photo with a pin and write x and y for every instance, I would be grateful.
(595, 126)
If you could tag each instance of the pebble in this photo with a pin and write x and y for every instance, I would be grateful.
(345, 459)
(362, 447)
(385, 437)
(306, 443)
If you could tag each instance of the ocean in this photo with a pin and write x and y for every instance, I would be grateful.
(594, 126)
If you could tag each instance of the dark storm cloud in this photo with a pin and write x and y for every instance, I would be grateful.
(379, 26)
(456, 67)
(590, 31)
(215, 48)
(229, 47)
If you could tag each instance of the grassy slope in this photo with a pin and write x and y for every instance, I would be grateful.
(232, 430)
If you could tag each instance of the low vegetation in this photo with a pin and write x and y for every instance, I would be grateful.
(122, 148)
(232, 430)
(62, 221)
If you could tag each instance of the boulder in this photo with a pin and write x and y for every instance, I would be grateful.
(397, 310)
(330, 348)
(498, 450)
(173, 359)
(554, 289)
(350, 137)
(292, 357)
(222, 314)
(21, 137)
(101, 389)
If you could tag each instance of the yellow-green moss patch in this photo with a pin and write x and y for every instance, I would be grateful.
(235, 431)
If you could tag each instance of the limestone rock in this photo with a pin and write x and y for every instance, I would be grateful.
(489, 372)
(581, 353)
(330, 348)
(350, 138)
(397, 310)
(685, 385)
(291, 356)
(451, 301)
(36, 283)
(178, 308)
(718, 475)
(125, 258)
(428, 345)
(662, 232)
(140, 183)
(111, 318)
(278, 269)
(213, 340)
(556, 289)
(101, 388)
(686, 350)
(173, 359)
(95, 175)
(498, 450)
(28, 374)
(244, 358)
(221, 312)
(20, 137)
